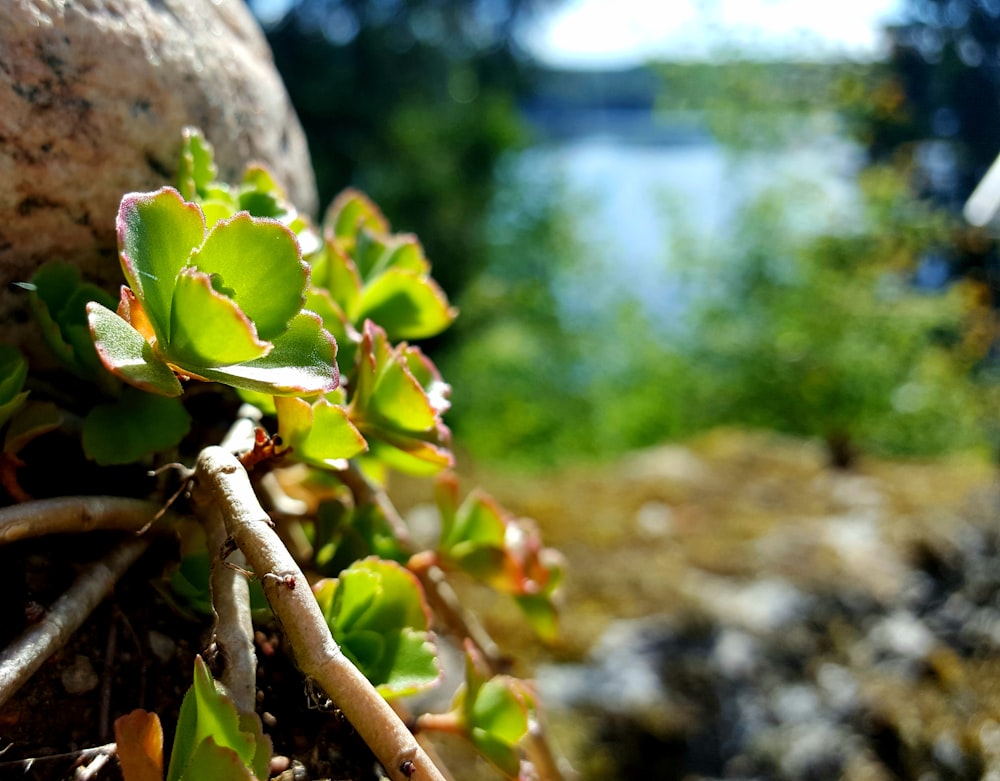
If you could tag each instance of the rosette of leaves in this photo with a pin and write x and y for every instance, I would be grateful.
(494, 712)
(479, 537)
(377, 614)
(364, 272)
(397, 403)
(218, 304)
(212, 740)
(125, 425)
(20, 419)
(319, 432)
(258, 193)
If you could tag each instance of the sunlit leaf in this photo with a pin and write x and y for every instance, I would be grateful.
(336, 273)
(207, 713)
(335, 321)
(376, 612)
(197, 168)
(139, 739)
(219, 763)
(303, 361)
(125, 353)
(157, 232)
(320, 433)
(350, 212)
(406, 304)
(208, 328)
(257, 262)
(133, 426)
(494, 712)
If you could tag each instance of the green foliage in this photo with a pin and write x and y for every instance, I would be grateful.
(825, 337)
(58, 300)
(377, 613)
(213, 740)
(346, 534)
(415, 103)
(222, 283)
(137, 423)
(494, 712)
(398, 401)
(221, 303)
(13, 372)
(480, 538)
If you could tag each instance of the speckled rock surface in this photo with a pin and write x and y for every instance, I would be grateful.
(93, 96)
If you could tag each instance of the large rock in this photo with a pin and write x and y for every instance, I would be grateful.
(93, 96)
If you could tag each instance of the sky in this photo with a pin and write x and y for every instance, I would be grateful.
(621, 33)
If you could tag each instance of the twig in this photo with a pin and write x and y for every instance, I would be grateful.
(222, 481)
(20, 660)
(24, 765)
(71, 514)
(230, 590)
(448, 608)
(364, 491)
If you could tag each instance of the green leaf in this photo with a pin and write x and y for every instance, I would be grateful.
(258, 260)
(125, 353)
(133, 426)
(13, 372)
(208, 328)
(335, 321)
(58, 300)
(494, 712)
(376, 253)
(208, 714)
(500, 710)
(33, 420)
(542, 615)
(303, 361)
(210, 760)
(393, 410)
(350, 212)
(345, 535)
(394, 394)
(406, 304)
(336, 273)
(157, 232)
(320, 434)
(197, 168)
(377, 613)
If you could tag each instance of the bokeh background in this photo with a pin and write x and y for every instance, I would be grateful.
(726, 333)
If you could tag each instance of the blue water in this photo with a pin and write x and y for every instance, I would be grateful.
(635, 201)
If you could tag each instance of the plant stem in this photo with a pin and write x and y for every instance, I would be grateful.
(220, 479)
(22, 658)
(230, 590)
(72, 514)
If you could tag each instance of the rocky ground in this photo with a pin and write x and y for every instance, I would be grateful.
(736, 609)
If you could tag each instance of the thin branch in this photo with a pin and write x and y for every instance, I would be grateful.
(72, 514)
(221, 480)
(20, 660)
(364, 491)
(447, 607)
(233, 629)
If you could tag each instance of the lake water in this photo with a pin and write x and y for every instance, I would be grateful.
(636, 199)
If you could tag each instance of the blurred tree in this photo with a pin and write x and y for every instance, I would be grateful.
(828, 337)
(944, 70)
(414, 101)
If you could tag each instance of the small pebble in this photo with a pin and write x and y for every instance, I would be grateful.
(79, 677)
